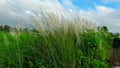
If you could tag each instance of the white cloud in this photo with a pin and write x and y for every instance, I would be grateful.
(103, 16)
(104, 9)
(68, 3)
(29, 12)
(2, 2)
(11, 10)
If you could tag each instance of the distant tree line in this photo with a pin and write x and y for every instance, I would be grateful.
(5, 28)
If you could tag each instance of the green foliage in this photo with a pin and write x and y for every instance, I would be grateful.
(5, 28)
(57, 49)
(104, 29)
(96, 46)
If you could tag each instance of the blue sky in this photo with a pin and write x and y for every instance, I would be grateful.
(102, 12)
(90, 4)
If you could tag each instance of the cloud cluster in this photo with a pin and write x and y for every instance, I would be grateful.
(103, 16)
(13, 11)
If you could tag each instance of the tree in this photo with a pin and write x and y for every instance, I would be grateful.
(104, 29)
(1, 28)
(6, 28)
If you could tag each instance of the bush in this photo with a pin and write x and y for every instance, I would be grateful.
(95, 46)
(59, 49)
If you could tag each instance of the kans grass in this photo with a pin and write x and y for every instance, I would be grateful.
(59, 43)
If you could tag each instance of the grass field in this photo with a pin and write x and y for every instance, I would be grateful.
(66, 45)
(55, 50)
